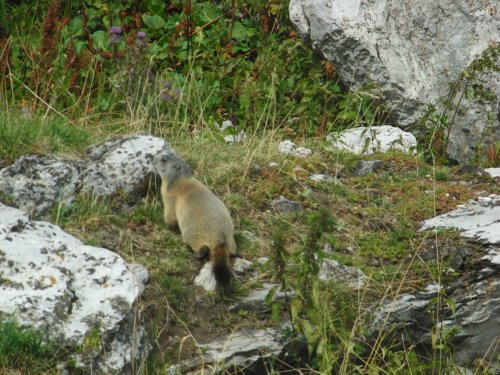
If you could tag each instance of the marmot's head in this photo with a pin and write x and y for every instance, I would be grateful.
(171, 167)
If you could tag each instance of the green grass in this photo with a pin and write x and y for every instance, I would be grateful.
(86, 212)
(20, 135)
(173, 287)
(24, 348)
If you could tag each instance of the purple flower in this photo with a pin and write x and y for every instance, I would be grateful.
(115, 30)
(115, 35)
(141, 35)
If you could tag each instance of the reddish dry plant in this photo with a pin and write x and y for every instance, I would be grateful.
(438, 143)
(188, 23)
(492, 154)
(323, 125)
(4, 60)
(75, 63)
(49, 32)
(40, 77)
(328, 69)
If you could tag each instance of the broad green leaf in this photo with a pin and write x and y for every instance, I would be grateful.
(100, 39)
(276, 312)
(80, 46)
(271, 294)
(241, 32)
(206, 11)
(75, 26)
(156, 7)
(154, 22)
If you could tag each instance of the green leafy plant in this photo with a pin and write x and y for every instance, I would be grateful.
(193, 63)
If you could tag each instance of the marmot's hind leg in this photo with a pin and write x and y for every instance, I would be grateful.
(202, 253)
(174, 227)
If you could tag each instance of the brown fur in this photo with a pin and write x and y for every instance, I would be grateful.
(203, 219)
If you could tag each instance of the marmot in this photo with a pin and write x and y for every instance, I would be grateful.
(203, 220)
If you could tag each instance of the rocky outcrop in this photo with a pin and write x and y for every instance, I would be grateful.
(71, 292)
(412, 52)
(478, 219)
(474, 315)
(475, 116)
(37, 183)
(256, 301)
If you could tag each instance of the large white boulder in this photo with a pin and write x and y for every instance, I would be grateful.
(70, 291)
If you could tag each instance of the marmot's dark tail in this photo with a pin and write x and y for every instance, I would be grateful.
(221, 265)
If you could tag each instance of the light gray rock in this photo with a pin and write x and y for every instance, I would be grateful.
(235, 138)
(478, 220)
(256, 300)
(319, 177)
(367, 167)
(232, 135)
(245, 349)
(262, 260)
(67, 290)
(331, 270)
(476, 319)
(290, 148)
(493, 256)
(366, 141)
(285, 205)
(122, 164)
(37, 183)
(241, 266)
(493, 172)
(226, 124)
(412, 51)
(206, 278)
